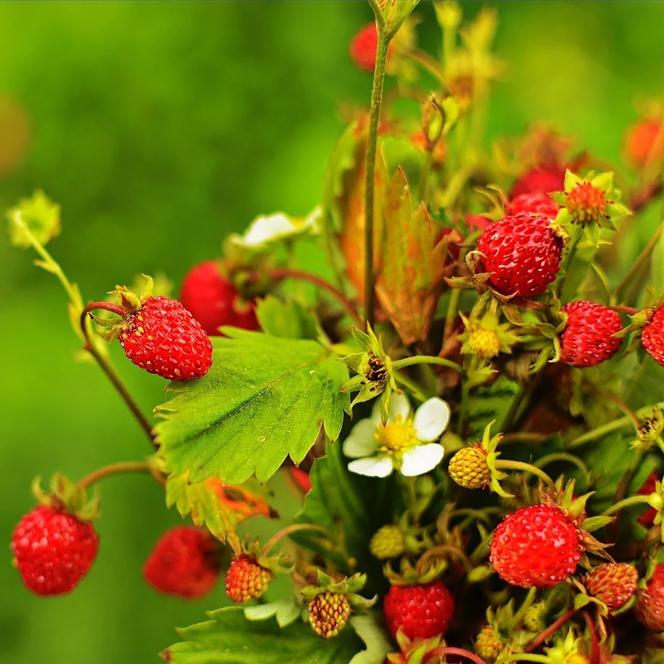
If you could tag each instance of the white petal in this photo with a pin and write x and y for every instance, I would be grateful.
(431, 419)
(378, 466)
(421, 459)
(268, 227)
(399, 408)
(361, 441)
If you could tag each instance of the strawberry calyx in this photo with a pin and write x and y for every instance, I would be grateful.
(67, 496)
(349, 587)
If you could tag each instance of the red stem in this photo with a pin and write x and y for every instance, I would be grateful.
(107, 306)
(461, 652)
(543, 636)
(594, 639)
(285, 273)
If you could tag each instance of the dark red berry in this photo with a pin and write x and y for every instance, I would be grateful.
(536, 203)
(587, 339)
(214, 301)
(163, 338)
(652, 336)
(53, 550)
(184, 562)
(650, 602)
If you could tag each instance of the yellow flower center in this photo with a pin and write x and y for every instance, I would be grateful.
(484, 343)
(397, 436)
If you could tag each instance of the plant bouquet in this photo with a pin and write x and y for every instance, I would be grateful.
(446, 440)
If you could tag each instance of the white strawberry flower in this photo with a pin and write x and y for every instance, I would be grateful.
(406, 441)
(277, 226)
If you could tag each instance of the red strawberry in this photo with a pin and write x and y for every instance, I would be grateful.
(363, 47)
(522, 253)
(612, 583)
(53, 550)
(536, 202)
(645, 142)
(650, 602)
(536, 546)
(652, 336)
(421, 612)
(184, 562)
(587, 339)
(649, 486)
(246, 579)
(545, 179)
(213, 300)
(163, 338)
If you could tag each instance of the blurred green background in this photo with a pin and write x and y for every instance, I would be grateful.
(160, 127)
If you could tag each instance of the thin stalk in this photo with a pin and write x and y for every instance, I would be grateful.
(426, 359)
(370, 169)
(599, 432)
(319, 282)
(459, 652)
(285, 532)
(625, 503)
(504, 464)
(549, 631)
(567, 262)
(120, 468)
(109, 370)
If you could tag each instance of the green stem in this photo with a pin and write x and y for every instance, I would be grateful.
(599, 432)
(451, 314)
(108, 368)
(370, 168)
(514, 406)
(285, 532)
(569, 458)
(426, 359)
(626, 502)
(567, 262)
(115, 469)
(505, 464)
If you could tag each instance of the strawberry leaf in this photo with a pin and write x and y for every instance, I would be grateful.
(286, 319)
(228, 637)
(265, 398)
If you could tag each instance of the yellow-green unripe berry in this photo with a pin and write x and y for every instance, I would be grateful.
(469, 467)
(387, 542)
(487, 644)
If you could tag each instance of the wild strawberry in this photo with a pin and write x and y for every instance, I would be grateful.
(328, 613)
(545, 179)
(184, 562)
(363, 47)
(648, 517)
(650, 601)
(612, 583)
(213, 300)
(488, 644)
(387, 542)
(587, 339)
(163, 338)
(246, 579)
(536, 546)
(420, 611)
(645, 142)
(586, 203)
(53, 550)
(652, 336)
(522, 254)
(469, 468)
(536, 202)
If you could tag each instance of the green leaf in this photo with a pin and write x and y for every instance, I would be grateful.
(265, 398)
(38, 217)
(369, 628)
(285, 611)
(286, 319)
(213, 504)
(228, 638)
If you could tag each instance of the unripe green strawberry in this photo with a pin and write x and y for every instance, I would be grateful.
(469, 468)
(586, 203)
(612, 583)
(387, 542)
(487, 644)
(533, 617)
(484, 343)
(246, 579)
(328, 613)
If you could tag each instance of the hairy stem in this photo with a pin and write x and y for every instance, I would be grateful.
(504, 464)
(599, 432)
(426, 359)
(626, 502)
(120, 468)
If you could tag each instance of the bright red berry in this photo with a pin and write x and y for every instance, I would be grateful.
(545, 179)
(536, 546)
(522, 253)
(246, 579)
(652, 336)
(213, 300)
(645, 142)
(649, 486)
(184, 562)
(163, 338)
(612, 583)
(587, 339)
(53, 550)
(536, 202)
(363, 47)
(650, 602)
(421, 611)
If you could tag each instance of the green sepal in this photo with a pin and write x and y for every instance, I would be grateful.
(65, 494)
